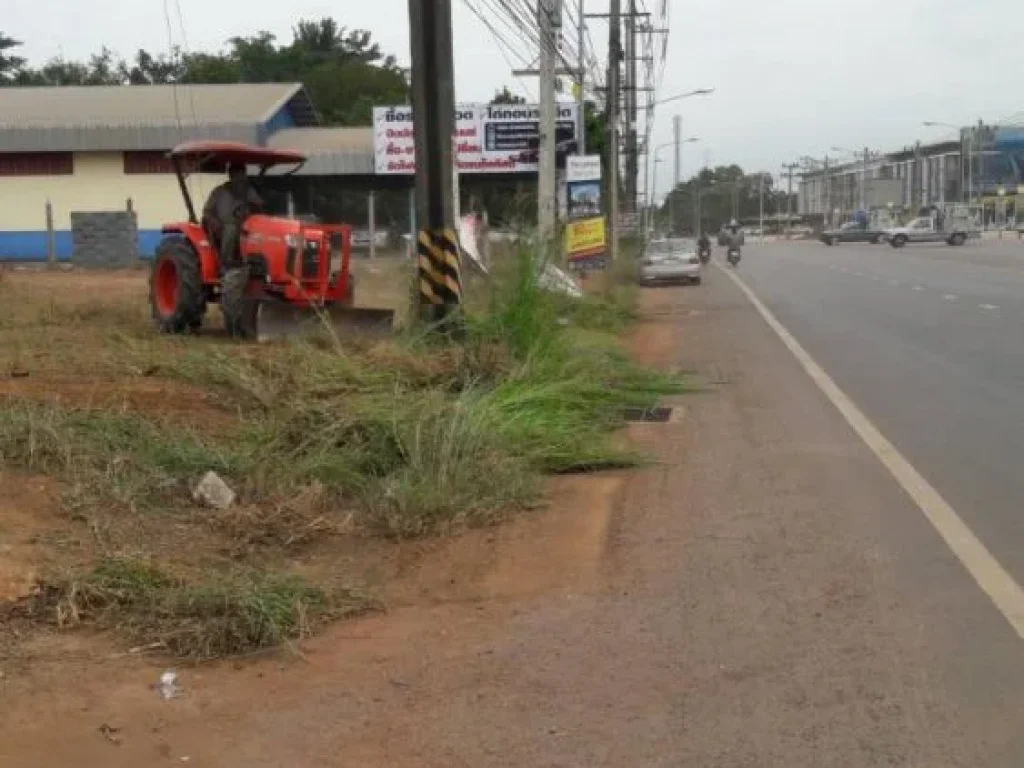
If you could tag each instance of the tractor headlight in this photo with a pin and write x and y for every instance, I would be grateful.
(292, 241)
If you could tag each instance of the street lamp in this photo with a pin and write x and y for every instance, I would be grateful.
(654, 179)
(970, 156)
(687, 95)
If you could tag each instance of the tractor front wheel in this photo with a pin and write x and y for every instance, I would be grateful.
(176, 294)
(239, 310)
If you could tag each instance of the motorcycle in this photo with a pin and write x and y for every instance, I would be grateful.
(704, 253)
(733, 257)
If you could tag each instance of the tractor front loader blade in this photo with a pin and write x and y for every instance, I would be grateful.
(279, 319)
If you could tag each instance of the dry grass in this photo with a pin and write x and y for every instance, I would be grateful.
(225, 614)
(410, 436)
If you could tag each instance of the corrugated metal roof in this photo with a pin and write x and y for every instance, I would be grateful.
(141, 105)
(331, 151)
(99, 118)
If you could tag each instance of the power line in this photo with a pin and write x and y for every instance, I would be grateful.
(503, 45)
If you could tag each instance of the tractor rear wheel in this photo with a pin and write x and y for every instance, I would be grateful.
(176, 296)
(239, 310)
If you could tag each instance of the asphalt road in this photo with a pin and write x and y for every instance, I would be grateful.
(929, 342)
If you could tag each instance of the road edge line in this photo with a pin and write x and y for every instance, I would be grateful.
(983, 567)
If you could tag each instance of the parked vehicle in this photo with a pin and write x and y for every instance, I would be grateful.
(926, 230)
(852, 232)
(670, 261)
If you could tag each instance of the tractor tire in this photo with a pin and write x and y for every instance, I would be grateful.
(240, 312)
(177, 298)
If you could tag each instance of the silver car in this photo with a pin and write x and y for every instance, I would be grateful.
(670, 261)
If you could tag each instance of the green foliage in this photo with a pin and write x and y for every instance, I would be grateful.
(505, 96)
(344, 71)
(10, 65)
(725, 192)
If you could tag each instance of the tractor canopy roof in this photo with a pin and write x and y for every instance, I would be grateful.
(213, 156)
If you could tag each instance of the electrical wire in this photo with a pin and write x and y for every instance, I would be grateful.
(502, 44)
(174, 85)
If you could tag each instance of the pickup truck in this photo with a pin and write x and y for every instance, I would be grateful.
(924, 230)
(852, 232)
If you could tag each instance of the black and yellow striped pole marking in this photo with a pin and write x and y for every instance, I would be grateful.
(440, 278)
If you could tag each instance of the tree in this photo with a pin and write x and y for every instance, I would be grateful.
(505, 96)
(725, 192)
(344, 70)
(10, 65)
(153, 70)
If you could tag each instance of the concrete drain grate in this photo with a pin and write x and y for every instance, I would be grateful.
(659, 414)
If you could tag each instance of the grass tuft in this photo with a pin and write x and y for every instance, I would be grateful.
(226, 614)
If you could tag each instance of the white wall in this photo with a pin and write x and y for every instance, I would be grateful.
(98, 184)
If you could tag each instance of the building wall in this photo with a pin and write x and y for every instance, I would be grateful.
(98, 183)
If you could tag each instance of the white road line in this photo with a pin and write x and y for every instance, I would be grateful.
(857, 274)
(950, 296)
(876, 278)
(988, 306)
(986, 571)
(894, 283)
(918, 288)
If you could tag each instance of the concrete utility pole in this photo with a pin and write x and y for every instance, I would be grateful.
(612, 109)
(548, 20)
(789, 168)
(677, 138)
(433, 104)
(581, 80)
(864, 181)
(828, 197)
(760, 194)
(371, 221)
(632, 164)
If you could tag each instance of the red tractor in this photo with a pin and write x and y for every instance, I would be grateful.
(291, 272)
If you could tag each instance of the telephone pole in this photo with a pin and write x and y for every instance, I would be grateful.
(632, 161)
(581, 99)
(614, 61)
(548, 21)
(789, 168)
(433, 103)
(677, 138)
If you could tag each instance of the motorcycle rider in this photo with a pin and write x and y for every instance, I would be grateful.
(703, 243)
(733, 234)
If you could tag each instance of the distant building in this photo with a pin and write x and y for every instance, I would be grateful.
(94, 149)
(985, 166)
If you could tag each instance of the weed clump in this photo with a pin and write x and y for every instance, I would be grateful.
(223, 615)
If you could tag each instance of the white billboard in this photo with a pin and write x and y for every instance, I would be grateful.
(489, 138)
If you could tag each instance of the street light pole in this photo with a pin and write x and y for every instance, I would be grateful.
(687, 95)
(760, 192)
(654, 177)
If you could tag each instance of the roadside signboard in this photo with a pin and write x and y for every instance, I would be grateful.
(585, 243)
(585, 230)
(583, 186)
(489, 138)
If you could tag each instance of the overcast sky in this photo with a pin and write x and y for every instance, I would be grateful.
(792, 77)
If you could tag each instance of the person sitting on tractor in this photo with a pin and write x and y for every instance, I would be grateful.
(227, 207)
